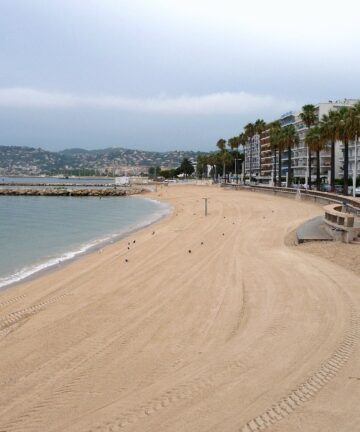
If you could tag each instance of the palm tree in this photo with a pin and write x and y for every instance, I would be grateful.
(221, 144)
(346, 133)
(211, 160)
(243, 140)
(357, 135)
(201, 166)
(316, 140)
(309, 117)
(260, 127)
(276, 142)
(250, 132)
(290, 138)
(330, 125)
(225, 159)
(234, 143)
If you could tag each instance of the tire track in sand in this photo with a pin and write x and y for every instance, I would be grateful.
(303, 393)
(309, 388)
(13, 318)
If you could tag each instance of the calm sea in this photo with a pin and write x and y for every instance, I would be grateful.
(38, 232)
(39, 180)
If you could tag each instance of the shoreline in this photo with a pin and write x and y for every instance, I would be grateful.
(37, 271)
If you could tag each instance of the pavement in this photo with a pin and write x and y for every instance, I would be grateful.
(313, 230)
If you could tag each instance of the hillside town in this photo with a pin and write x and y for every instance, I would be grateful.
(79, 162)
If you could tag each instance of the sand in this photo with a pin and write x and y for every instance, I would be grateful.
(212, 324)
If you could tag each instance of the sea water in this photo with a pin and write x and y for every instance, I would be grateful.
(39, 232)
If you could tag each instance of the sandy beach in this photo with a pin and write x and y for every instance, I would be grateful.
(205, 324)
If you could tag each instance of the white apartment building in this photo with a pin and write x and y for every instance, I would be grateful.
(300, 151)
(260, 159)
(252, 156)
(351, 159)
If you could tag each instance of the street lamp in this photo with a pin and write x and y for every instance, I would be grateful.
(355, 166)
(236, 175)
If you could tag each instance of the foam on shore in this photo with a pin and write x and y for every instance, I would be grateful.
(34, 270)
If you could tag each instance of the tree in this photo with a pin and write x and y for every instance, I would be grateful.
(276, 143)
(250, 132)
(168, 174)
(329, 128)
(290, 138)
(154, 171)
(260, 127)
(234, 143)
(201, 167)
(186, 167)
(221, 144)
(226, 160)
(354, 131)
(211, 160)
(309, 117)
(243, 142)
(316, 140)
(346, 133)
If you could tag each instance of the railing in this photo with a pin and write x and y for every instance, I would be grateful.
(336, 217)
(352, 204)
(340, 224)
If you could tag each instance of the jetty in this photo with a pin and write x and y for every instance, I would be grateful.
(103, 192)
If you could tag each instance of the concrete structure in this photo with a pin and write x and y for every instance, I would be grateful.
(340, 224)
(313, 230)
(122, 181)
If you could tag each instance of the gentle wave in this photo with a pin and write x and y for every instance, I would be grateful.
(93, 245)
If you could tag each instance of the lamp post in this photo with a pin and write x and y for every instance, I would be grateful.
(236, 174)
(244, 165)
(355, 166)
(205, 202)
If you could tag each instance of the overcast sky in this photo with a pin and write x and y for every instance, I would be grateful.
(167, 74)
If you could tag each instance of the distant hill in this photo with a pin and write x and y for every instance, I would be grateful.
(35, 161)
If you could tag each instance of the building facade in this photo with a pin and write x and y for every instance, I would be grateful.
(300, 153)
(351, 159)
(262, 161)
(266, 167)
(252, 157)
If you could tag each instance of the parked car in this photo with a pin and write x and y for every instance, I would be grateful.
(325, 188)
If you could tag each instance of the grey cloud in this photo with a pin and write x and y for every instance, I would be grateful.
(214, 103)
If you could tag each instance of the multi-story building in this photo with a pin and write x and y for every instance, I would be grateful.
(262, 161)
(300, 152)
(352, 159)
(265, 157)
(252, 157)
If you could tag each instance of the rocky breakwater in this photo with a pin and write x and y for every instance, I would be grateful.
(110, 192)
